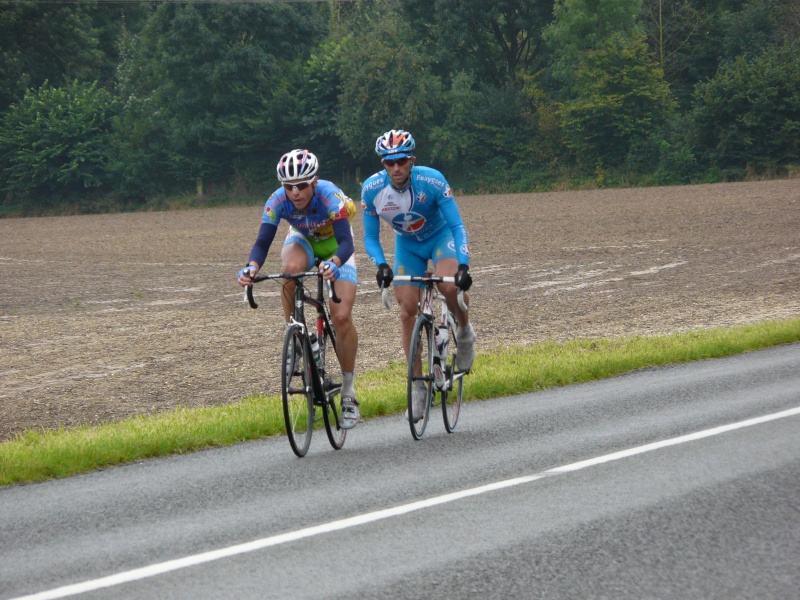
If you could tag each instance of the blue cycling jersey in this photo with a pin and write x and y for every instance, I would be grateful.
(418, 212)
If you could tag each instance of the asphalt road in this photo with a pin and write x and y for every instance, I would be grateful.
(679, 482)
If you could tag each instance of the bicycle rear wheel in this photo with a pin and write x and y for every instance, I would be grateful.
(297, 391)
(453, 395)
(420, 376)
(332, 385)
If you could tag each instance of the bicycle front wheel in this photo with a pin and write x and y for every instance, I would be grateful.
(297, 391)
(332, 386)
(453, 395)
(420, 377)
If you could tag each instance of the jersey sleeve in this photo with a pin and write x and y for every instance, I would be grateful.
(273, 209)
(452, 216)
(344, 239)
(372, 226)
(266, 234)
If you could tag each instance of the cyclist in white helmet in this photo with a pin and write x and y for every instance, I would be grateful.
(319, 215)
(419, 206)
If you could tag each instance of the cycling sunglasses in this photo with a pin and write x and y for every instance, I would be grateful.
(289, 187)
(400, 161)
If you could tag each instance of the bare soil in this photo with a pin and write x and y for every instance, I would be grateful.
(105, 317)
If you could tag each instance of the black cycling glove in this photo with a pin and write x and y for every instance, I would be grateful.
(463, 278)
(384, 276)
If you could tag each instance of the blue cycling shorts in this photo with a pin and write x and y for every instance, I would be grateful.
(411, 256)
(347, 270)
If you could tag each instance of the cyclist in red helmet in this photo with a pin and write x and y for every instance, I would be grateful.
(419, 206)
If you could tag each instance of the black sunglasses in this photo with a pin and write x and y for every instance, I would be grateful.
(400, 161)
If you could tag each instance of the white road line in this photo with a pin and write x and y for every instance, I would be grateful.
(205, 557)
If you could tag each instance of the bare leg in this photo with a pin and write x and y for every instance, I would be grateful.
(408, 299)
(447, 267)
(294, 260)
(342, 317)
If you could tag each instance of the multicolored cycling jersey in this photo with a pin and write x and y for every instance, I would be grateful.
(315, 221)
(324, 223)
(420, 211)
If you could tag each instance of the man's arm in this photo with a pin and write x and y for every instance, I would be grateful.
(264, 240)
(344, 238)
(452, 216)
(372, 229)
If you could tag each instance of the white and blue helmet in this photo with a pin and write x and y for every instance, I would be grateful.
(395, 144)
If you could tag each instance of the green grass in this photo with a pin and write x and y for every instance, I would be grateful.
(40, 455)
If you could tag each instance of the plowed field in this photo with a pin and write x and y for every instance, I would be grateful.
(103, 317)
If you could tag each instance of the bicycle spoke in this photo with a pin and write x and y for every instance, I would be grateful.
(296, 391)
(332, 384)
(420, 377)
(453, 396)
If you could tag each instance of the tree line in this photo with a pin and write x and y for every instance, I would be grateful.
(114, 105)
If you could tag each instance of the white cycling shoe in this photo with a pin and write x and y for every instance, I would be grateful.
(465, 344)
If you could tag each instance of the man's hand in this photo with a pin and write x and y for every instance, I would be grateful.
(245, 276)
(463, 278)
(329, 270)
(384, 276)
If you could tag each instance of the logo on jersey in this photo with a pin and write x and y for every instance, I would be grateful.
(273, 218)
(448, 193)
(409, 222)
(465, 249)
(342, 213)
(422, 197)
(390, 207)
(370, 185)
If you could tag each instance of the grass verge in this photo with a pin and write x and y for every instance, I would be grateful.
(41, 455)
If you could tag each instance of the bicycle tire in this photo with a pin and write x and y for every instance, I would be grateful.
(453, 394)
(332, 386)
(421, 349)
(297, 392)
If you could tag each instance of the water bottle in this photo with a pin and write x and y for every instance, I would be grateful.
(315, 348)
(442, 338)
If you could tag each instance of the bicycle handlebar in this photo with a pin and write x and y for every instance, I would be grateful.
(248, 290)
(424, 279)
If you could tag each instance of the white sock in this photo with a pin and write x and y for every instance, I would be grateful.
(347, 384)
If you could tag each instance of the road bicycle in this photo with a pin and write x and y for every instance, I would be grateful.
(432, 355)
(311, 377)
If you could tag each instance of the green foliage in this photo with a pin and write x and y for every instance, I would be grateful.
(55, 143)
(500, 94)
(59, 42)
(389, 85)
(482, 129)
(318, 99)
(44, 42)
(619, 99)
(693, 39)
(498, 41)
(209, 82)
(584, 25)
(748, 115)
(677, 164)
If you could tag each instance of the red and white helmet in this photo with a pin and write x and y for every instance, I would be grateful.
(297, 165)
(395, 144)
